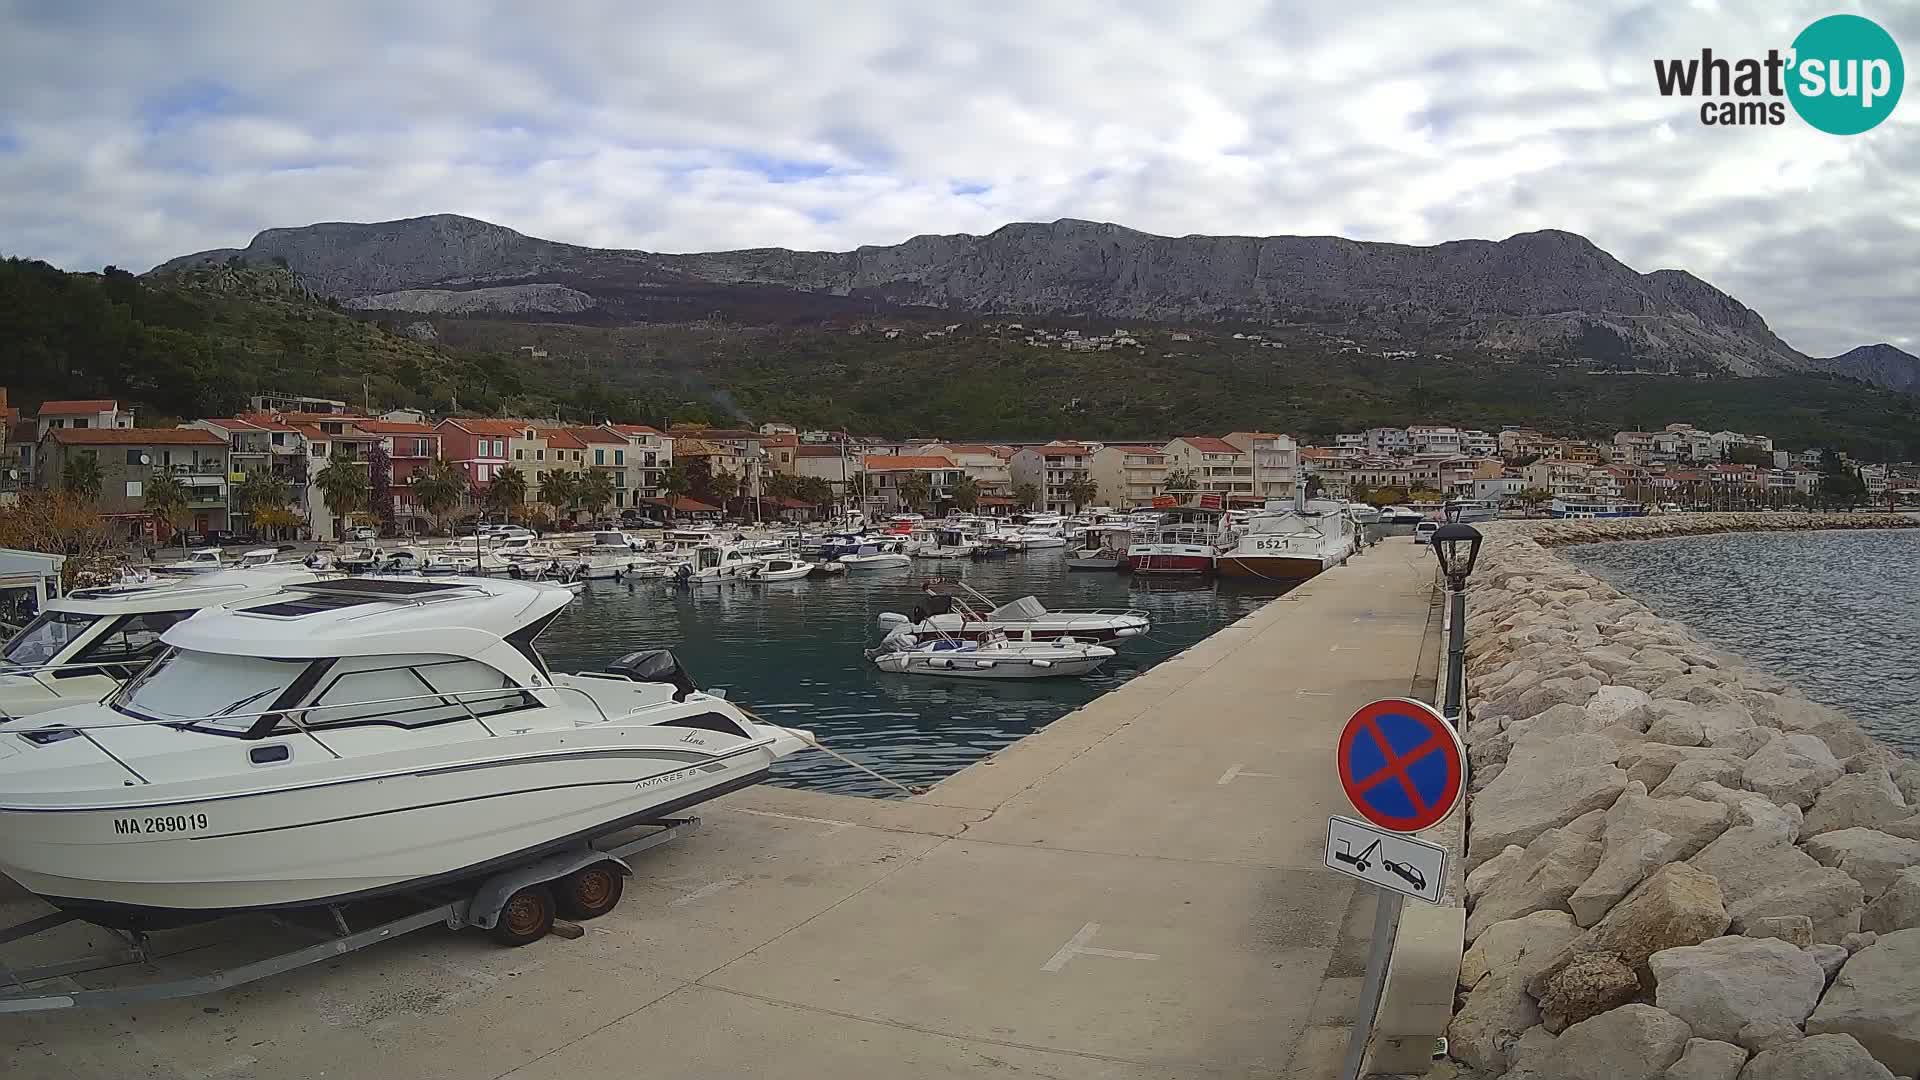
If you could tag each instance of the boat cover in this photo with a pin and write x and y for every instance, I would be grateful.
(1025, 609)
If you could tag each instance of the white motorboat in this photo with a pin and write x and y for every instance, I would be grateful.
(715, 563)
(198, 561)
(950, 543)
(1289, 545)
(611, 555)
(1401, 515)
(352, 739)
(1363, 513)
(84, 645)
(364, 559)
(463, 559)
(963, 612)
(876, 557)
(780, 568)
(994, 657)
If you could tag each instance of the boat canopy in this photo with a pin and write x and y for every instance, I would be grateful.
(1025, 609)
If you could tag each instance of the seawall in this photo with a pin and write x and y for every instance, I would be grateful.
(1676, 860)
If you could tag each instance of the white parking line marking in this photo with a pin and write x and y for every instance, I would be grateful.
(705, 891)
(1077, 946)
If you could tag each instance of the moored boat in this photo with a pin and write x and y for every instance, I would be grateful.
(994, 657)
(1290, 544)
(963, 612)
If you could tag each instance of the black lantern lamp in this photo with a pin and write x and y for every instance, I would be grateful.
(1457, 546)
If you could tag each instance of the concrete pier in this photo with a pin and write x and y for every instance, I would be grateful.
(1136, 891)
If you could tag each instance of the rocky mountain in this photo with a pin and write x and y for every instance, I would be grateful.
(1882, 365)
(1541, 291)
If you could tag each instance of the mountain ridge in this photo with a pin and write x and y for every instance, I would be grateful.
(1881, 365)
(1547, 290)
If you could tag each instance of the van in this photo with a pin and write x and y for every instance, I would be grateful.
(1423, 532)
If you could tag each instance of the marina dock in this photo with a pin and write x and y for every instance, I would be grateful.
(1135, 891)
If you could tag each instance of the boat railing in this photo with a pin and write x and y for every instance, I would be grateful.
(458, 697)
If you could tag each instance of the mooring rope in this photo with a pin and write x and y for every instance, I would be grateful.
(813, 740)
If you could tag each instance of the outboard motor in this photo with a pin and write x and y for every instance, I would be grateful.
(655, 666)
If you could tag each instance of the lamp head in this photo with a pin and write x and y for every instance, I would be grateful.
(1457, 546)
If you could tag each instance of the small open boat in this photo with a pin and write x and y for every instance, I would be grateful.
(993, 657)
(780, 568)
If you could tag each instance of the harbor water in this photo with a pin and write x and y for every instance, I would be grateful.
(1835, 613)
(792, 652)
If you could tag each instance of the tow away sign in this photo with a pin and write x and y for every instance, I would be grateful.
(1405, 864)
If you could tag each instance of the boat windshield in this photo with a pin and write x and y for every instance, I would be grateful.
(43, 639)
(188, 685)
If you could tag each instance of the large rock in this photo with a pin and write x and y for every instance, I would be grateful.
(1546, 784)
(1551, 692)
(1633, 1042)
(1699, 689)
(1488, 872)
(1822, 1057)
(1677, 729)
(1641, 835)
(1495, 1015)
(1556, 722)
(1762, 874)
(1556, 863)
(1651, 763)
(1791, 769)
(1705, 1059)
(1863, 799)
(1869, 856)
(1897, 907)
(1586, 986)
(1691, 772)
(1616, 704)
(1522, 945)
(1678, 905)
(1796, 930)
(1835, 729)
(1829, 898)
(1720, 985)
(1876, 999)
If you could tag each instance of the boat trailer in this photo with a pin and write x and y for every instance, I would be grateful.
(517, 906)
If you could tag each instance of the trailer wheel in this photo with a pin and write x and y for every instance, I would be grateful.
(591, 891)
(526, 918)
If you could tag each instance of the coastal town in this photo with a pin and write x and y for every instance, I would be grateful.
(277, 467)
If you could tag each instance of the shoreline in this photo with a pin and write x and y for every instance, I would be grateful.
(1672, 853)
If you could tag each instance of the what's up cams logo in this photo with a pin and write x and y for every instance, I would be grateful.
(1843, 75)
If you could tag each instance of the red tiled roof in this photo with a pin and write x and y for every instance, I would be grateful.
(686, 506)
(780, 440)
(475, 425)
(1004, 451)
(733, 434)
(78, 408)
(136, 437)
(597, 435)
(1207, 444)
(785, 503)
(888, 463)
(23, 431)
(1137, 449)
(969, 448)
(1074, 447)
(396, 427)
(634, 429)
(266, 421)
(995, 500)
(816, 450)
(560, 438)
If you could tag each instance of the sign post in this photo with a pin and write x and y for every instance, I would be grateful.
(1403, 768)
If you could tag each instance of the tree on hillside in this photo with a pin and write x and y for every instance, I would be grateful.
(914, 489)
(595, 490)
(559, 488)
(380, 486)
(508, 492)
(166, 499)
(966, 494)
(81, 476)
(1082, 490)
(439, 489)
(1027, 496)
(344, 487)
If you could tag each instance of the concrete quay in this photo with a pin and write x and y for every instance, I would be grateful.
(1136, 891)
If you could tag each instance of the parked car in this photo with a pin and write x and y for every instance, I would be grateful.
(1423, 532)
(364, 533)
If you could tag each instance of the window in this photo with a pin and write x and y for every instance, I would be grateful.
(619, 457)
(219, 690)
(520, 454)
(599, 456)
(319, 450)
(358, 685)
(44, 637)
(133, 456)
(539, 454)
(134, 638)
(423, 448)
(80, 422)
(279, 438)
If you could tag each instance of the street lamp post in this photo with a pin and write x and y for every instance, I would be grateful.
(1457, 546)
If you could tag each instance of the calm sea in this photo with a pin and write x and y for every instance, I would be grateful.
(1836, 613)
(792, 652)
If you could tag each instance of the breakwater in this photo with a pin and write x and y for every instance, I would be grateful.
(1676, 861)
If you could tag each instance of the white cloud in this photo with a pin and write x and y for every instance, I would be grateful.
(133, 132)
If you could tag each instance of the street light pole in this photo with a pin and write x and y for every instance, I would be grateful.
(1457, 546)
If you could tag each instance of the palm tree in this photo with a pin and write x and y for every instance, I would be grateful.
(595, 490)
(675, 484)
(966, 493)
(1082, 490)
(509, 490)
(914, 489)
(81, 476)
(1027, 495)
(166, 499)
(259, 495)
(1180, 480)
(439, 488)
(558, 489)
(344, 486)
(724, 486)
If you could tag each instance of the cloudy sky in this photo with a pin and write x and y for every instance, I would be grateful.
(133, 132)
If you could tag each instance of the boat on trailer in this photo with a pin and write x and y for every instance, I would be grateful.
(354, 739)
(962, 612)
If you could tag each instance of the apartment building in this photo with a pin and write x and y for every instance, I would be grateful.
(885, 472)
(1276, 462)
(835, 463)
(1426, 439)
(88, 414)
(129, 459)
(984, 463)
(1560, 478)
(1051, 469)
(1129, 476)
(1216, 465)
(411, 449)
(649, 454)
(477, 446)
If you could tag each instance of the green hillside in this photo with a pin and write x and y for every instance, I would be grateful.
(198, 343)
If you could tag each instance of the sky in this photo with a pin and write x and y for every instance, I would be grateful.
(131, 132)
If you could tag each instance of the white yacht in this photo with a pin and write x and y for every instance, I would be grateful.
(198, 561)
(716, 563)
(880, 556)
(354, 738)
(86, 644)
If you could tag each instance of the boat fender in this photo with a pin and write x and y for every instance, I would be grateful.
(1128, 631)
(891, 619)
(1043, 663)
(940, 662)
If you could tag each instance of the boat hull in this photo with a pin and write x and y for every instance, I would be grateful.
(354, 839)
(1270, 567)
(958, 665)
(1168, 562)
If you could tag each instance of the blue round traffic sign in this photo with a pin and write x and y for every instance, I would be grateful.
(1401, 764)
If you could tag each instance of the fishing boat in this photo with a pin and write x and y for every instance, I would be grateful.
(1184, 542)
(992, 657)
(780, 568)
(1101, 547)
(85, 644)
(1291, 544)
(950, 606)
(951, 543)
(354, 739)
